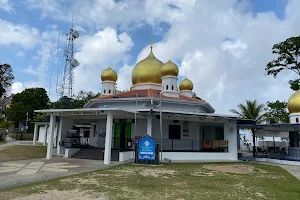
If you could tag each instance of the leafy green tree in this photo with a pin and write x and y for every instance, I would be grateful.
(27, 101)
(71, 103)
(6, 78)
(251, 110)
(288, 58)
(276, 112)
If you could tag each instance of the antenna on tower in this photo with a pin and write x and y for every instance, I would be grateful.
(65, 87)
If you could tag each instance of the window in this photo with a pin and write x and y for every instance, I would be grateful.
(104, 91)
(297, 120)
(213, 133)
(167, 87)
(172, 87)
(109, 91)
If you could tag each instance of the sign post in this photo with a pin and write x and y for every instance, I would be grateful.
(147, 151)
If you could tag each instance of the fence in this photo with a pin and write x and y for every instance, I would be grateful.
(193, 145)
(290, 153)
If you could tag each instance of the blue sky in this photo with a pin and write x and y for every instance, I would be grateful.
(190, 33)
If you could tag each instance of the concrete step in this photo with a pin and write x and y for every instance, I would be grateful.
(95, 154)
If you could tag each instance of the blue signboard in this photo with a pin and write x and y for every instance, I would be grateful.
(147, 148)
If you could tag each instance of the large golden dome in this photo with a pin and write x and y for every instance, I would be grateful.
(186, 84)
(109, 75)
(147, 70)
(169, 69)
(294, 103)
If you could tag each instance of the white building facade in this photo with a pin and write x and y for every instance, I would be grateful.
(185, 128)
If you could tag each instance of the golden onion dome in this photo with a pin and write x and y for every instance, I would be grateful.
(147, 70)
(169, 69)
(109, 75)
(186, 84)
(294, 103)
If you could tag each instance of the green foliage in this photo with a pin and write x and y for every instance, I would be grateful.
(6, 78)
(78, 102)
(288, 59)
(27, 101)
(276, 112)
(251, 110)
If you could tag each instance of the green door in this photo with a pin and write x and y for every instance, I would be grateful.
(127, 133)
(117, 135)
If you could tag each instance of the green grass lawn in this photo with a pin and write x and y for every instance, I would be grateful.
(2, 142)
(21, 152)
(171, 181)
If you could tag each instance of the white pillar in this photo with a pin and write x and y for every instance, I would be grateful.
(108, 138)
(46, 130)
(149, 124)
(35, 133)
(51, 135)
(59, 136)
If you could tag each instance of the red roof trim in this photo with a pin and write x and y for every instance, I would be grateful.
(147, 93)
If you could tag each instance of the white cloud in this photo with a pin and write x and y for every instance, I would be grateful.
(97, 52)
(30, 70)
(97, 14)
(17, 87)
(20, 54)
(124, 78)
(6, 5)
(14, 34)
(224, 73)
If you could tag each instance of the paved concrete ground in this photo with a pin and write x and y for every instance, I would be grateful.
(294, 170)
(16, 173)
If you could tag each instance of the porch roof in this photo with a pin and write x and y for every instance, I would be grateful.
(100, 111)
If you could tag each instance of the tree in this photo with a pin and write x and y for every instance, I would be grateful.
(251, 110)
(276, 112)
(6, 78)
(288, 59)
(27, 101)
(71, 103)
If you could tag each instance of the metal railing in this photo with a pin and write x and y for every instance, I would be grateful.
(290, 153)
(193, 145)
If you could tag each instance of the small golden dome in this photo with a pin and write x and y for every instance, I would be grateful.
(109, 75)
(147, 70)
(169, 69)
(294, 103)
(186, 84)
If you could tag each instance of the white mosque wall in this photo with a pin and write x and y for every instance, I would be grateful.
(66, 125)
(42, 134)
(294, 117)
(146, 86)
(108, 88)
(198, 156)
(146, 104)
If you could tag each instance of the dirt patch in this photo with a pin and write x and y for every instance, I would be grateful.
(64, 195)
(157, 172)
(203, 174)
(81, 181)
(237, 169)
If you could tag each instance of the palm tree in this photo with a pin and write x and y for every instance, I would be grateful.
(251, 110)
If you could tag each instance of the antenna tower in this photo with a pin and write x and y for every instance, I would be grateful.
(65, 88)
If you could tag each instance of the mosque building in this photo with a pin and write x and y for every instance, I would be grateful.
(186, 128)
